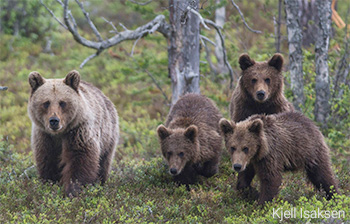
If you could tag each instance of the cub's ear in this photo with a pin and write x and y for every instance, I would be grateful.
(256, 126)
(35, 80)
(226, 126)
(245, 61)
(163, 132)
(73, 79)
(276, 61)
(191, 133)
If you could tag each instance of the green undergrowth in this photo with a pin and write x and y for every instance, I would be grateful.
(139, 188)
(142, 191)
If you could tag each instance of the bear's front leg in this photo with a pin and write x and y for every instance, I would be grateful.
(80, 158)
(270, 181)
(47, 151)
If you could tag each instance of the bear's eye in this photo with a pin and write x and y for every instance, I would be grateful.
(169, 154)
(245, 150)
(233, 149)
(46, 104)
(267, 81)
(181, 154)
(254, 80)
(62, 104)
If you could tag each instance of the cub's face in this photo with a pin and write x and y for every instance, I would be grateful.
(243, 142)
(262, 80)
(179, 146)
(54, 103)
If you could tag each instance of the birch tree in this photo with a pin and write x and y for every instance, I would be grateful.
(294, 31)
(322, 106)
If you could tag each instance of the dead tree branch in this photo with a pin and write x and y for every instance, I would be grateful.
(241, 14)
(157, 24)
(218, 30)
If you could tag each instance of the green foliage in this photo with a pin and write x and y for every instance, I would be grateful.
(139, 188)
(15, 19)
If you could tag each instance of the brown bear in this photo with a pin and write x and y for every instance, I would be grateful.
(272, 144)
(190, 140)
(74, 130)
(259, 89)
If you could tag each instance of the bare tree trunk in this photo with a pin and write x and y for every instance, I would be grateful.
(220, 17)
(308, 20)
(183, 48)
(295, 53)
(278, 28)
(322, 107)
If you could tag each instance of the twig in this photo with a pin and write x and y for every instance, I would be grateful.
(207, 39)
(89, 58)
(124, 27)
(133, 46)
(201, 20)
(141, 3)
(91, 24)
(158, 86)
(3, 88)
(110, 23)
(241, 14)
(218, 30)
(53, 15)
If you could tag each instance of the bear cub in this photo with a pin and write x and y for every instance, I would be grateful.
(74, 131)
(259, 89)
(275, 143)
(190, 140)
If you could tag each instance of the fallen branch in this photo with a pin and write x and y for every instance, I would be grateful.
(141, 3)
(157, 24)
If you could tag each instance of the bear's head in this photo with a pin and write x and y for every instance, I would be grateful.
(261, 80)
(179, 147)
(245, 141)
(54, 104)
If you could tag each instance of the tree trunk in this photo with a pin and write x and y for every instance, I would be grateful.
(308, 20)
(295, 53)
(220, 17)
(183, 48)
(322, 107)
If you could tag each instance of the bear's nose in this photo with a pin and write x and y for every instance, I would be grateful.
(260, 94)
(173, 171)
(237, 167)
(54, 122)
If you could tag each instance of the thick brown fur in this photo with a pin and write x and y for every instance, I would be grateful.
(258, 76)
(190, 140)
(74, 130)
(275, 143)
(263, 78)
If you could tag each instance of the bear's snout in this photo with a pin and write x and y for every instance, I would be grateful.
(54, 123)
(173, 171)
(260, 94)
(237, 167)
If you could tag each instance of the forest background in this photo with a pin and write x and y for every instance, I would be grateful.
(134, 75)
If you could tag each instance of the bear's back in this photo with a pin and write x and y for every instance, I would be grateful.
(194, 109)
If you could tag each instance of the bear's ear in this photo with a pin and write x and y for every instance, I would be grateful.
(226, 126)
(256, 126)
(191, 133)
(276, 61)
(73, 79)
(245, 61)
(163, 132)
(35, 80)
